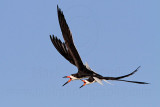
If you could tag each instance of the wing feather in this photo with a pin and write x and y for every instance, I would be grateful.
(98, 80)
(67, 35)
(62, 49)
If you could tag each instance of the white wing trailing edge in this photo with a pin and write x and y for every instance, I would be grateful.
(98, 80)
(87, 66)
(108, 82)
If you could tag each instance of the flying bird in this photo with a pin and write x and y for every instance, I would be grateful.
(68, 50)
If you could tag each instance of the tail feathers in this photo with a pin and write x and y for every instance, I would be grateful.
(133, 81)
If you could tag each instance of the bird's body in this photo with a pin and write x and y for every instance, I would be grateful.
(85, 73)
(68, 50)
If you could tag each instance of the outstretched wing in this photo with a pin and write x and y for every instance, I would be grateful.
(134, 82)
(67, 35)
(120, 77)
(62, 49)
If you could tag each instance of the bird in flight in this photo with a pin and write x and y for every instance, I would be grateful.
(68, 50)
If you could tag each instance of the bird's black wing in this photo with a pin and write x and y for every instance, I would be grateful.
(120, 77)
(134, 82)
(62, 49)
(67, 35)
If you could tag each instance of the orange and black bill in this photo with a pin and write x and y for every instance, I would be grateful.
(68, 80)
(83, 84)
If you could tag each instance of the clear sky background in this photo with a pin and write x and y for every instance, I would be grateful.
(113, 36)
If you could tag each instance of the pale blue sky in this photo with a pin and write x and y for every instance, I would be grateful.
(113, 36)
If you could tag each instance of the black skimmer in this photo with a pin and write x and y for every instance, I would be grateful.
(68, 50)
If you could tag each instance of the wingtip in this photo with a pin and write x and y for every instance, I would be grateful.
(138, 68)
(58, 9)
(50, 37)
(146, 83)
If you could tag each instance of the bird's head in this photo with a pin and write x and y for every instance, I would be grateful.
(85, 83)
(71, 77)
